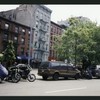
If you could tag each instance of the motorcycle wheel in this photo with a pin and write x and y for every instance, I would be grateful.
(0, 80)
(16, 78)
(31, 77)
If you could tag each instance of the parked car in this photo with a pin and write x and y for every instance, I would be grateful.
(96, 71)
(57, 69)
(87, 73)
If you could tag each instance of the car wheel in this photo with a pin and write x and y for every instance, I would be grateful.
(77, 76)
(0, 80)
(56, 76)
(16, 78)
(98, 77)
(89, 76)
(44, 77)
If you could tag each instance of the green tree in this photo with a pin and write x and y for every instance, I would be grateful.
(58, 47)
(77, 40)
(96, 38)
(9, 54)
(1, 57)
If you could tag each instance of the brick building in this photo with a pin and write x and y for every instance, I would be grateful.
(38, 17)
(55, 30)
(18, 33)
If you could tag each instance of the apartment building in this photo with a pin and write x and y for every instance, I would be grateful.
(37, 17)
(55, 30)
(18, 33)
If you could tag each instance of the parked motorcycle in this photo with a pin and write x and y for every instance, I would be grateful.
(24, 71)
(13, 75)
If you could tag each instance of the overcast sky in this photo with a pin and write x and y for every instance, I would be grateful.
(63, 12)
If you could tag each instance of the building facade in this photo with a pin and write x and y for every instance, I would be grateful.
(37, 17)
(56, 30)
(16, 32)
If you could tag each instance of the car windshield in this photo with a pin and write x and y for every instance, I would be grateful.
(54, 64)
(44, 65)
(63, 64)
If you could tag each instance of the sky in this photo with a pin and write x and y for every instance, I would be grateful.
(63, 12)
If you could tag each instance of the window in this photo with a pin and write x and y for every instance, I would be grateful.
(22, 40)
(35, 55)
(63, 64)
(46, 46)
(48, 18)
(70, 67)
(44, 26)
(51, 38)
(5, 36)
(41, 15)
(51, 29)
(44, 65)
(47, 28)
(45, 17)
(16, 29)
(22, 51)
(39, 46)
(58, 31)
(47, 38)
(54, 38)
(36, 34)
(42, 45)
(26, 53)
(54, 64)
(28, 41)
(6, 26)
(37, 24)
(37, 14)
(35, 44)
(15, 39)
(29, 32)
(23, 31)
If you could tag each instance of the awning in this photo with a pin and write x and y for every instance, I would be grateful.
(18, 57)
(23, 57)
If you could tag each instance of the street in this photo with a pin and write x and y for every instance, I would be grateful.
(61, 87)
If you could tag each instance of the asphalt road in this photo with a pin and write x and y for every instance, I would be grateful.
(71, 87)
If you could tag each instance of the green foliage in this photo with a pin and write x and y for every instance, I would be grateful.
(82, 37)
(1, 57)
(9, 54)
